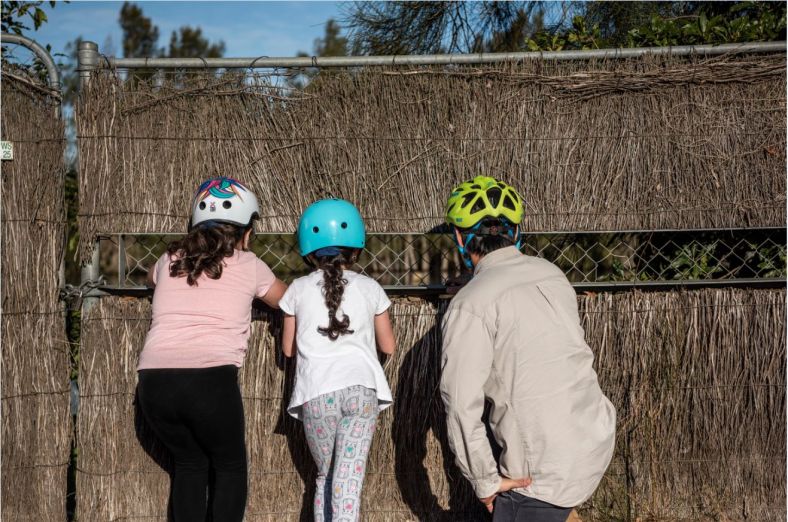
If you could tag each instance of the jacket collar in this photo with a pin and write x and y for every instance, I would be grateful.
(494, 258)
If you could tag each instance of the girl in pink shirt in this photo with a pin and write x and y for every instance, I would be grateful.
(188, 370)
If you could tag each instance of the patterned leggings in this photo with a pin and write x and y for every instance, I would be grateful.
(339, 427)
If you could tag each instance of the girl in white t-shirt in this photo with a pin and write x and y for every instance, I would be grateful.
(334, 319)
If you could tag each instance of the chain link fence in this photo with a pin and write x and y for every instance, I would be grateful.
(399, 261)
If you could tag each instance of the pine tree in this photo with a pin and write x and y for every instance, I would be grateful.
(189, 42)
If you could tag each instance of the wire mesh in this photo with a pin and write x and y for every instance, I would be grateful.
(405, 260)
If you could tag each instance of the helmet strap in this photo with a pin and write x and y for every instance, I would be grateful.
(503, 229)
(462, 239)
(462, 242)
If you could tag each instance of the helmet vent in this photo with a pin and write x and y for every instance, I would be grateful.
(343, 225)
(202, 205)
(508, 202)
(315, 229)
(494, 196)
(467, 198)
(478, 205)
(227, 204)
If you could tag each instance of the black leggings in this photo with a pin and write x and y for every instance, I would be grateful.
(198, 415)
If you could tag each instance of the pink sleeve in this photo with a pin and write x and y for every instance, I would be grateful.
(264, 278)
(160, 265)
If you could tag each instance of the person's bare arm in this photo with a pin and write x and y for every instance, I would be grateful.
(384, 334)
(274, 294)
(288, 336)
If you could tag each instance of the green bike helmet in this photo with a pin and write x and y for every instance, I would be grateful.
(483, 197)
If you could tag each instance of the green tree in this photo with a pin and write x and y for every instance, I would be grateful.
(140, 38)
(578, 36)
(615, 19)
(712, 23)
(513, 37)
(436, 27)
(653, 24)
(490, 26)
(16, 14)
(331, 44)
(189, 42)
(140, 35)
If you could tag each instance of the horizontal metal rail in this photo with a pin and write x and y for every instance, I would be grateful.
(444, 229)
(433, 59)
(614, 286)
(444, 291)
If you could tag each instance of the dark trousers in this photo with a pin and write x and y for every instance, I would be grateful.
(198, 415)
(514, 507)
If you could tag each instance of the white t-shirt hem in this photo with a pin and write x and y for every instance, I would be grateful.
(294, 410)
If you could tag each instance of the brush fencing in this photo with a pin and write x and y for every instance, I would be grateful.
(36, 426)
(647, 143)
(697, 377)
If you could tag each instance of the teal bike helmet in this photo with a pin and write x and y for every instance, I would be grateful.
(330, 223)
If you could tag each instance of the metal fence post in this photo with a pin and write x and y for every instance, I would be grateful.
(89, 277)
(88, 58)
(122, 260)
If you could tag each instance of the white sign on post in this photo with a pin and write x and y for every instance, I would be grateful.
(6, 150)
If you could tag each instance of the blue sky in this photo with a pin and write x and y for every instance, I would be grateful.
(247, 28)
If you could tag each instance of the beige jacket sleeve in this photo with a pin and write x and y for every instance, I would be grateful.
(467, 363)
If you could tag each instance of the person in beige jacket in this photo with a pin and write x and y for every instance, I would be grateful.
(512, 337)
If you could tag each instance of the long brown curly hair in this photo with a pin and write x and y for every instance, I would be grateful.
(203, 250)
(333, 290)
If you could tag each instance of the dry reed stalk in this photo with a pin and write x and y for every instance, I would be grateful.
(36, 425)
(33, 181)
(35, 355)
(115, 478)
(697, 377)
(31, 265)
(649, 143)
(35, 456)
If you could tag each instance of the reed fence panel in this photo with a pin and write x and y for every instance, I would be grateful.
(36, 425)
(647, 143)
(697, 377)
